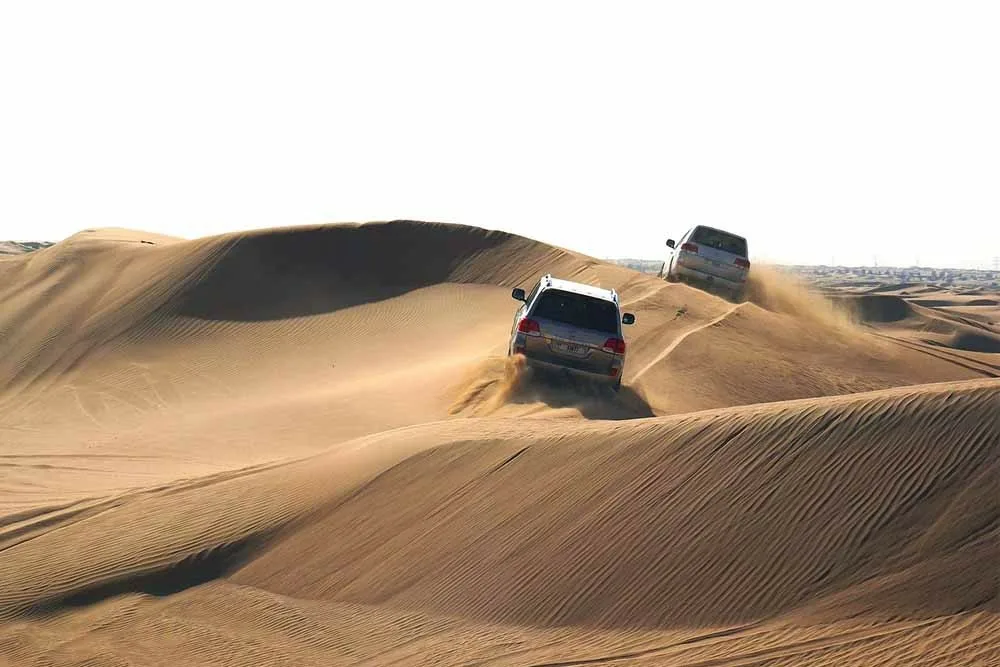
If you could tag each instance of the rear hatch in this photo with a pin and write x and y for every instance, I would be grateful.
(575, 329)
(718, 253)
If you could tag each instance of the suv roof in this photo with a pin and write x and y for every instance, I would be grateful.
(548, 282)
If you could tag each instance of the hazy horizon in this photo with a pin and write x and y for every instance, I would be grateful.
(825, 135)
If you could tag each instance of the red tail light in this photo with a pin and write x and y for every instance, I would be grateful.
(689, 247)
(742, 262)
(616, 345)
(529, 327)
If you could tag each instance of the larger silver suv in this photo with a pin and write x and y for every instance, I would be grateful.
(571, 327)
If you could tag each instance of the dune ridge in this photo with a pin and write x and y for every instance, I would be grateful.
(720, 484)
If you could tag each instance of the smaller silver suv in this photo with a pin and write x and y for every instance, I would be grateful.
(709, 256)
(571, 327)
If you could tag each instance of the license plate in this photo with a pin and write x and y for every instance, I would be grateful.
(571, 348)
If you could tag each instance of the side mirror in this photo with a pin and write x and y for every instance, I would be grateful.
(670, 243)
(518, 294)
(628, 318)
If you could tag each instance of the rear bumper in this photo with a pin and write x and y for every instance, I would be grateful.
(687, 272)
(552, 367)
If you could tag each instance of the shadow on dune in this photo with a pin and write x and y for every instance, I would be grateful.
(194, 570)
(973, 341)
(281, 273)
(878, 308)
(291, 272)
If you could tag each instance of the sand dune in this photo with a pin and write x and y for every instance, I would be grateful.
(968, 328)
(306, 446)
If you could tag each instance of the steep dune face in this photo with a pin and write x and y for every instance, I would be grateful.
(67, 302)
(308, 445)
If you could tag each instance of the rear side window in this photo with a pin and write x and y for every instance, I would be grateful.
(578, 310)
(534, 291)
(720, 241)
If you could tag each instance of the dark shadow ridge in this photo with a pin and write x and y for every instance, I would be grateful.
(194, 570)
(281, 273)
(594, 401)
(974, 341)
(877, 308)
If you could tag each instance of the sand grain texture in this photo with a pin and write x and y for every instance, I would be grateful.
(306, 446)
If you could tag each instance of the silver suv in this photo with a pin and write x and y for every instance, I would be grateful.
(709, 256)
(571, 327)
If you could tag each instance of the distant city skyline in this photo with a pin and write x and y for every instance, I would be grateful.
(885, 267)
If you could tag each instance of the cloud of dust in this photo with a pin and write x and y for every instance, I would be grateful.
(500, 381)
(490, 385)
(782, 292)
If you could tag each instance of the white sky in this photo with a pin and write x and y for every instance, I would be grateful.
(821, 131)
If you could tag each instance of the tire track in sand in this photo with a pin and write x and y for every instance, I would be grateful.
(680, 339)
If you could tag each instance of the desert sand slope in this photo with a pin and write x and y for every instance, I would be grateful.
(132, 360)
(306, 446)
(754, 531)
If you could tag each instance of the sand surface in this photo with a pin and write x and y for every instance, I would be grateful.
(306, 446)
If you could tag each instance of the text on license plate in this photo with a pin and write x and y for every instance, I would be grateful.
(572, 348)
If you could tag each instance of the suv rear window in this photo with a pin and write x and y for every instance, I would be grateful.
(577, 310)
(720, 241)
